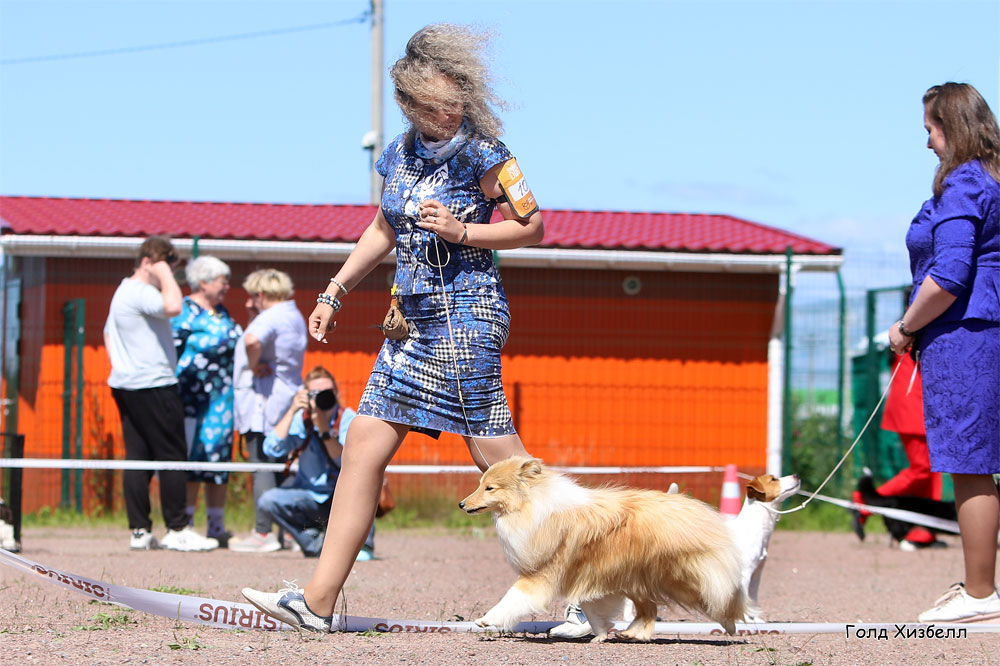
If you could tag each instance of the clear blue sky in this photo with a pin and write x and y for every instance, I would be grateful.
(802, 115)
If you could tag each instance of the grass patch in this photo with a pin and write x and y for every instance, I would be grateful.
(173, 589)
(105, 621)
(186, 643)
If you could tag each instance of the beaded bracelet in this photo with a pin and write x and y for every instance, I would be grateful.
(342, 288)
(327, 299)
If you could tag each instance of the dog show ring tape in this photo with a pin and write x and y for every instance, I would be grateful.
(61, 463)
(232, 615)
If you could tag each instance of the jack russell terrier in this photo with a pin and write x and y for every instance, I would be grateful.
(753, 527)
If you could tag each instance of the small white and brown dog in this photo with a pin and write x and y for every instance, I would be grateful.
(599, 546)
(753, 527)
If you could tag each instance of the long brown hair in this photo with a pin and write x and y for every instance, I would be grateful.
(970, 129)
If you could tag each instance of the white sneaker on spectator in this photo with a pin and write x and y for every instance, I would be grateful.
(255, 543)
(957, 606)
(187, 540)
(142, 539)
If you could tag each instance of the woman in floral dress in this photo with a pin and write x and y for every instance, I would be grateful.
(205, 336)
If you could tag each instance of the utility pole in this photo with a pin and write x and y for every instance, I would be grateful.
(373, 140)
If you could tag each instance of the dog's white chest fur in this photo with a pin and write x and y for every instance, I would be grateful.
(519, 531)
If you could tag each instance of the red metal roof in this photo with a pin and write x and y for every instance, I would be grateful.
(255, 221)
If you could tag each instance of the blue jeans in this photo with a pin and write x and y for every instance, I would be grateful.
(303, 517)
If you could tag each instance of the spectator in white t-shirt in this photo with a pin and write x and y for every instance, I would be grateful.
(139, 341)
(275, 345)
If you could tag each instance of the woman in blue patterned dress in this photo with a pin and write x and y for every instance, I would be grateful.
(443, 179)
(953, 321)
(205, 336)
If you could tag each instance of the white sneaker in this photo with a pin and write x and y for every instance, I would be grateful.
(7, 541)
(187, 540)
(142, 539)
(255, 543)
(289, 606)
(957, 606)
(575, 626)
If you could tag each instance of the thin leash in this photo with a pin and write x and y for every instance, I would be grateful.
(451, 334)
(849, 450)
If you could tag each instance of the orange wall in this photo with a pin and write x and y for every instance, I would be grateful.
(676, 375)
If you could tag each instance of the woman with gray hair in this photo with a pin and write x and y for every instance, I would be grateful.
(444, 177)
(205, 336)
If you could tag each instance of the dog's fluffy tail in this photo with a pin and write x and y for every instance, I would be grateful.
(723, 597)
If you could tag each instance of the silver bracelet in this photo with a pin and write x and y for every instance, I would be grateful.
(327, 299)
(342, 288)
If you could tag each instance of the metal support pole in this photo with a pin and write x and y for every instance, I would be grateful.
(67, 396)
(841, 358)
(871, 380)
(376, 144)
(786, 427)
(80, 324)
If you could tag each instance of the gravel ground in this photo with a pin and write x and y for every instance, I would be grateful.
(450, 575)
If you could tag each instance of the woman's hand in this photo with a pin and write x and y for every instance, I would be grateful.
(262, 370)
(434, 216)
(321, 322)
(898, 342)
(300, 400)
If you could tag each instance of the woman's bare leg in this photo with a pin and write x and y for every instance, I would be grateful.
(370, 446)
(978, 516)
(488, 450)
(215, 495)
(191, 492)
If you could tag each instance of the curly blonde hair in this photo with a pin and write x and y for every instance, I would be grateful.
(455, 51)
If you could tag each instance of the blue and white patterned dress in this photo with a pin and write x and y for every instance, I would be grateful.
(416, 381)
(205, 342)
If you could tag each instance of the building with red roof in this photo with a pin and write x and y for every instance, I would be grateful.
(638, 339)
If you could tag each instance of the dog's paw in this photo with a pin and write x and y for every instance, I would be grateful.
(492, 619)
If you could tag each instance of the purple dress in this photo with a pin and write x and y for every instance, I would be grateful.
(955, 238)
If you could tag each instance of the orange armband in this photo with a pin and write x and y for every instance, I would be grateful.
(516, 188)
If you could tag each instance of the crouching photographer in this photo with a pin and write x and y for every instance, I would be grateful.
(311, 432)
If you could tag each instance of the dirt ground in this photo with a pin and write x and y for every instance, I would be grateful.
(451, 575)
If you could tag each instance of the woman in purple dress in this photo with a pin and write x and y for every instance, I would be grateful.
(953, 323)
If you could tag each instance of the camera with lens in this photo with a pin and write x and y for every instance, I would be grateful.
(324, 400)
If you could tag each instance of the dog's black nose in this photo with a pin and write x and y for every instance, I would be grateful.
(461, 505)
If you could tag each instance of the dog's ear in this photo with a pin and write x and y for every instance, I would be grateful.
(757, 490)
(531, 467)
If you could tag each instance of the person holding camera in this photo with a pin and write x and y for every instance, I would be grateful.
(312, 432)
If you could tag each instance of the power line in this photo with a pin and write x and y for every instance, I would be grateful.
(361, 18)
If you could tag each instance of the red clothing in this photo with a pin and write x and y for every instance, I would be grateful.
(904, 414)
(904, 411)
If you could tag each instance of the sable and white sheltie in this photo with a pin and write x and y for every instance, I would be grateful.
(598, 546)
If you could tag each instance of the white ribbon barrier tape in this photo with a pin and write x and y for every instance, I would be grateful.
(61, 463)
(182, 465)
(898, 514)
(230, 615)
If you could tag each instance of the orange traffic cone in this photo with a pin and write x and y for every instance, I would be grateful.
(730, 503)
